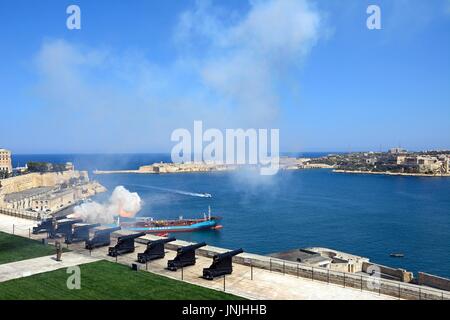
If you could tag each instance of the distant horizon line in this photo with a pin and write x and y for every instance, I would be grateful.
(168, 152)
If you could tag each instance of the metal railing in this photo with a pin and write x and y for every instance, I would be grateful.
(17, 230)
(363, 282)
(29, 215)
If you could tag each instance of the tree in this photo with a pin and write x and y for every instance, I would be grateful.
(39, 166)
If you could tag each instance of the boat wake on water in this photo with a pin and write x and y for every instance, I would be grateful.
(186, 193)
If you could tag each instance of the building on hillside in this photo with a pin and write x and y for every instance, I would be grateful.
(428, 164)
(54, 201)
(69, 166)
(401, 159)
(5, 161)
(24, 199)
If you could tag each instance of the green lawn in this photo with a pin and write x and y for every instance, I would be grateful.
(15, 248)
(106, 280)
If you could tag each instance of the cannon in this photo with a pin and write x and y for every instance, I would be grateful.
(101, 238)
(222, 265)
(80, 233)
(64, 227)
(185, 257)
(154, 250)
(46, 225)
(125, 244)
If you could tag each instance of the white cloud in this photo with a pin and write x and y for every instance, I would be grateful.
(227, 72)
(100, 99)
(246, 57)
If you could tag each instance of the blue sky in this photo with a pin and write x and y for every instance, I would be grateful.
(137, 70)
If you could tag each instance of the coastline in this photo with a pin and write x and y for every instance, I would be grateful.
(394, 173)
(121, 171)
(102, 172)
(168, 167)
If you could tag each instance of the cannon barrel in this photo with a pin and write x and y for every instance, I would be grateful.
(106, 231)
(85, 226)
(191, 247)
(227, 254)
(154, 250)
(80, 233)
(125, 244)
(45, 225)
(222, 264)
(185, 257)
(131, 236)
(153, 243)
(101, 238)
(64, 227)
(161, 241)
(63, 222)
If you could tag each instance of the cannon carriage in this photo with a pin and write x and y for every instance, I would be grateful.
(125, 244)
(101, 238)
(154, 250)
(80, 233)
(222, 264)
(185, 257)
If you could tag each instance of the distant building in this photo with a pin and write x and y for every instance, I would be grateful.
(5, 160)
(397, 150)
(50, 202)
(428, 164)
(21, 170)
(401, 159)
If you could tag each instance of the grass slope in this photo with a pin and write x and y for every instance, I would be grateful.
(106, 280)
(15, 248)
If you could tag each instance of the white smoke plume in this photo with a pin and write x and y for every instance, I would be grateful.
(122, 202)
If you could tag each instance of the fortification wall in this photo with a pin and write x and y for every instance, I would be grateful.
(434, 281)
(34, 180)
(399, 274)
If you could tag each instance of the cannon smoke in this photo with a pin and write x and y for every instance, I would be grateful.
(122, 202)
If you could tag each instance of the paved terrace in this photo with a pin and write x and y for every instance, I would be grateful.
(18, 226)
(26, 268)
(265, 284)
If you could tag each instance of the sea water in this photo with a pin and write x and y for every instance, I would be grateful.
(366, 215)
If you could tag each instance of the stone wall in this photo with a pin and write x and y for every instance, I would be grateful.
(46, 200)
(434, 281)
(388, 272)
(34, 180)
(20, 214)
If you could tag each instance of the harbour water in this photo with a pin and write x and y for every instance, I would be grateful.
(367, 215)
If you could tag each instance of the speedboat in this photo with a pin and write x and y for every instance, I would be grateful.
(397, 255)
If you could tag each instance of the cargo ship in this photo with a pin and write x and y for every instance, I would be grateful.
(164, 227)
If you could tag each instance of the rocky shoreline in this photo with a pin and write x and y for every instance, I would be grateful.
(393, 173)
